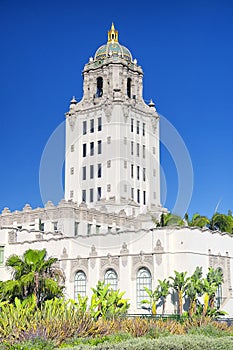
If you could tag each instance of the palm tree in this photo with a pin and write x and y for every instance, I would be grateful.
(170, 220)
(193, 289)
(179, 283)
(32, 274)
(221, 222)
(152, 301)
(215, 278)
(163, 291)
(197, 220)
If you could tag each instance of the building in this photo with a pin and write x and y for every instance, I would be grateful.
(103, 227)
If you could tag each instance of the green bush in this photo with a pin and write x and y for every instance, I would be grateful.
(175, 342)
(208, 330)
(33, 344)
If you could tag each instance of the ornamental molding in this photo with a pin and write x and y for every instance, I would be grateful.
(110, 262)
(78, 264)
(140, 261)
(159, 250)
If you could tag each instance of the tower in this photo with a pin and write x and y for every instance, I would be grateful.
(112, 136)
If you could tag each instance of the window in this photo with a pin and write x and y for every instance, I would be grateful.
(55, 223)
(72, 148)
(131, 125)
(125, 164)
(144, 174)
(71, 194)
(132, 171)
(92, 125)
(99, 147)
(92, 149)
(129, 87)
(84, 195)
(41, 226)
(138, 196)
(218, 298)
(143, 280)
(99, 172)
(71, 171)
(138, 126)
(138, 146)
(80, 282)
(132, 193)
(99, 86)
(97, 229)
(84, 150)
(109, 164)
(1, 255)
(153, 150)
(91, 195)
(91, 171)
(143, 129)
(76, 224)
(144, 151)
(108, 139)
(110, 278)
(84, 173)
(98, 193)
(144, 197)
(99, 124)
(131, 151)
(84, 127)
(108, 188)
(138, 172)
(89, 229)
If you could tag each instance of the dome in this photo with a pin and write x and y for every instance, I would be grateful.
(113, 48)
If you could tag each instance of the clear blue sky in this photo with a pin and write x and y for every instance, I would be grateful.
(186, 51)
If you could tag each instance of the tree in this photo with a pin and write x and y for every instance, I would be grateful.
(32, 274)
(179, 283)
(221, 222)
(152, 301)
(170, 220)
(193, 289)
(197, 220)
(163, 291)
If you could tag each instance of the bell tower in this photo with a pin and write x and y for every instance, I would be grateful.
(112, 136)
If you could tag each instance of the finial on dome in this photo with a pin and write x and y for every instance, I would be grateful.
(73, 101)
(151, 103)
(113, 35)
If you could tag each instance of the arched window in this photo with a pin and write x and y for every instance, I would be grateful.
(80, 284)
(111, 278)
(99, 86)
(129, 87)
(218, 295)
(143, 280)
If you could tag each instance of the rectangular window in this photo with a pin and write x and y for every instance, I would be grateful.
(84, 150)
(144, 151)
(89, 229)
(132, 193)
(84, 127)
(108, 140)
(92, 149)
(109, 164)
(55, 226)
(138, 147)
(99, 124)
(71, 194)
(138, 172)
(99, 172)
(98, 193)
(138, 196)
(91, 195)
(84, 173)
(91, 171)
(76, 224)
(99, 147)
(1, 255)
(108, 188)
(97, 229)
(72, 148)
(131, 125)
(138, 126)
(143, 129)
(144, 174)
(144, 197)
(132, 171)
(131, 151)
(71, 171)
(41, 226)
(92, 125)
(125, 164)
(84, 196)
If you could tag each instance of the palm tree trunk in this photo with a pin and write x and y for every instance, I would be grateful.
(180, 302)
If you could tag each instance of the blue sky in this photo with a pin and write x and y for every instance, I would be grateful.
(185, 49)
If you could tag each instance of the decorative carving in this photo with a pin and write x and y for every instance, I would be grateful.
(93, 254)
(124, 249)
(159, 250)
(12, 237)
(78, 264)
(109, 261)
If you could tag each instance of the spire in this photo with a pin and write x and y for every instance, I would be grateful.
(113, 35)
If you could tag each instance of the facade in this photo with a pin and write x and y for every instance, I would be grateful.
(103, 230)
